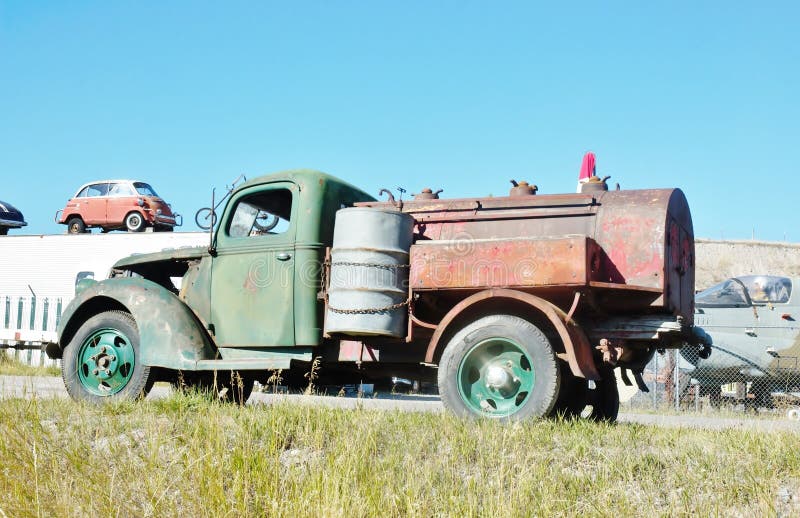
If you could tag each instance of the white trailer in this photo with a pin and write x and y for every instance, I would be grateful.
(38, 275)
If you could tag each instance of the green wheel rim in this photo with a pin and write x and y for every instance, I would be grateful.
(105, 362)
(496, 378)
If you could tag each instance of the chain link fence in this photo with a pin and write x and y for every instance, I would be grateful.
(675, 385)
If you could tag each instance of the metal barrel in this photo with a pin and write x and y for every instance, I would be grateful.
(368, 290)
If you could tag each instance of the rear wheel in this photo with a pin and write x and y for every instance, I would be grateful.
(76, 226)
(499, 366)
(572, 395)
(102, 361)
(603, 396)
(134, 222)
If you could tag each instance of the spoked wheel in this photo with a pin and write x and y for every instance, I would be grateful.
(102, 360)
(265, 221)
(205, 218)
(499, 366)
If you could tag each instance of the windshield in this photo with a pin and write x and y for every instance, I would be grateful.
(727, 293)
(743, 291)
(144, 189)
(767, 288)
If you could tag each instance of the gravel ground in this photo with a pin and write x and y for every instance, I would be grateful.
(30, 386)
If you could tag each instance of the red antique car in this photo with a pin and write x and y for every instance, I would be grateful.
(117, 204)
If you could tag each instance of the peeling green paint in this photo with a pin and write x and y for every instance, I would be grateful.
(170, 335)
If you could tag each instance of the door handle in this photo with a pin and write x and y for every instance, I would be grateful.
(283, 256)
(750, 331)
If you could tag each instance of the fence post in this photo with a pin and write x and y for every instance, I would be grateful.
(677, 377)
(33, 313)
(19, 313)
(655, 381)
(45, 309)
(58, 312)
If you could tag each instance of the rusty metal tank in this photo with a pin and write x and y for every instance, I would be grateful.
(368, 288)
(633, 250)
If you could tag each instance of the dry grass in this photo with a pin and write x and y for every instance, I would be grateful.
(9, 366)
(184, 456)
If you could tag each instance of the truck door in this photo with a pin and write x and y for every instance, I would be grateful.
(252, 274)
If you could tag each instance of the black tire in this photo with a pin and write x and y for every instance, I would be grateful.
(604, 397)
(475, 342)
(75, 225)
(79, 379)
(573, 394)
(134, 222)
(205, 218)
(3, 231)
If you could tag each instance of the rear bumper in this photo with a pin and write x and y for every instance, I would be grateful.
(168, 221)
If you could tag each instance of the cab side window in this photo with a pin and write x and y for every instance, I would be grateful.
(262, 213)
(120, 189)
(91, 191)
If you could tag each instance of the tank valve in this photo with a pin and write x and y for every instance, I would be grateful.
(427, 194)
(522, 188)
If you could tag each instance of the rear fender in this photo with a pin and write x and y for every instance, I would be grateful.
(577, 348)
(170, 335)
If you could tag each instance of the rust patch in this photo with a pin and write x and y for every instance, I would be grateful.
(499, 263)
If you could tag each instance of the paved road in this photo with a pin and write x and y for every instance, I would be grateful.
(46, 387)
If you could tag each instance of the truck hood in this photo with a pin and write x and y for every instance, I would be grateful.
(170, 255)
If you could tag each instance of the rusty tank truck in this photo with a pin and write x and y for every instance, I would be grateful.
(518, 306)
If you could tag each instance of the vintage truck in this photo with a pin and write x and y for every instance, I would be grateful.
(518, 306)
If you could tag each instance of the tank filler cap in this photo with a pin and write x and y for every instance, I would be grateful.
(522, 188)
(594, 184)
(427, 194)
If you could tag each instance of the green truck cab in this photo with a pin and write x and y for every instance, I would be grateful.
(247, 302)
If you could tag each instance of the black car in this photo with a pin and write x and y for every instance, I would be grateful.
(10, 217)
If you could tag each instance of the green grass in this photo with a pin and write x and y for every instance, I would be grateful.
(9, 366)
(184, 456)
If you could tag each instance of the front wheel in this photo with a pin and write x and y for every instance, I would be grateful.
(76, 226)
(103, 362)
(499, 366)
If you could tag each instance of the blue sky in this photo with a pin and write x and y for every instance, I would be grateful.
(456, 95)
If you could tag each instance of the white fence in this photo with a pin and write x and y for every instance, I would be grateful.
(26, 323)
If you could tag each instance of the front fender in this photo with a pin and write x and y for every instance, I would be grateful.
(169, 333)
